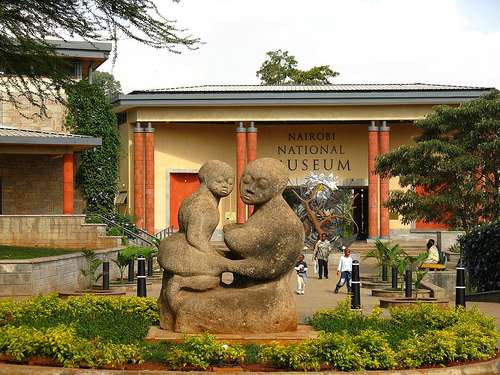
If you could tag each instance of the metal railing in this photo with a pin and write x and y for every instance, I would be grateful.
(164, 233)
(137, 236)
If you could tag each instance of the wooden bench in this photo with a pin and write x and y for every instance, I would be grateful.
(432, 267)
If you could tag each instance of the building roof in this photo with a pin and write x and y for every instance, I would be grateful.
(14, 136)
(97, 52)
(332, 94)
(361, 87)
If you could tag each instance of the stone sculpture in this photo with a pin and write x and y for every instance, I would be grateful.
(261, 256)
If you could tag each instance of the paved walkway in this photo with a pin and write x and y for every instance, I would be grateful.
(319, 294)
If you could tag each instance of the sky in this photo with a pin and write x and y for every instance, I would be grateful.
(366, 41)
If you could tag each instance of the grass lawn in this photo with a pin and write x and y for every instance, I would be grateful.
(14, 252)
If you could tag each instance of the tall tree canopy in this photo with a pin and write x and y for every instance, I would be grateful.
(112, 88)
(29, 69)
(281, 68)
(453, 171)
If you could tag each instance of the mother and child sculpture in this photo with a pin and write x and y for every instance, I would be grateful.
(261, 255)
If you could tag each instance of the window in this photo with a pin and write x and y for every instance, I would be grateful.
(121, 198)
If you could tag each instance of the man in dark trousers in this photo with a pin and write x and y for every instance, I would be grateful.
(322, 251)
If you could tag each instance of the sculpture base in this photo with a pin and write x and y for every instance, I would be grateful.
(303, 332)
(268, 307)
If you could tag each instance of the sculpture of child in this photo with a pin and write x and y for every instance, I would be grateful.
(187, 257)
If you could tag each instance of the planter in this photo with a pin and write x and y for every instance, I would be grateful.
(491, 296)
(398, 293)
(376, 284)
(402, 301)
(371, 278)
(94, 292)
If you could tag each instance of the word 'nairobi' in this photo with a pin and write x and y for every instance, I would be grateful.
(318, 136)
(317, 164)
(311, 150)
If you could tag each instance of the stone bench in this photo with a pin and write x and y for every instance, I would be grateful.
(432, 267)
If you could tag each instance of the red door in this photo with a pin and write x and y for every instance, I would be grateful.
(181, 186)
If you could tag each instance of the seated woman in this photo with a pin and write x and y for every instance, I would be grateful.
(432, 253)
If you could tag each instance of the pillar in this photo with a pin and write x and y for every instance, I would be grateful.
(251, 151)
(240, 166)
(139, 176)
(149, 181)
(68, 184)
(372, 182)
(384, 147)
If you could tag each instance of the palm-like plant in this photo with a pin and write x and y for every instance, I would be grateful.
(92, 265)
(411, 262)
(122, 260)
(384, 255)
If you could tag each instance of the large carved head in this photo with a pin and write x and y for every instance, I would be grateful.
(262, 180)
(218, 176)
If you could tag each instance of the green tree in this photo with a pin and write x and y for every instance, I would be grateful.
(456, 161)
(27, 58)
(90, 113)
(112, 87)
(281, 68)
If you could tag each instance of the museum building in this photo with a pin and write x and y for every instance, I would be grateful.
(167, 134)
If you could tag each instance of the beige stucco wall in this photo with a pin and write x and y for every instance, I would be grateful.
(185, 147)
(280, 113)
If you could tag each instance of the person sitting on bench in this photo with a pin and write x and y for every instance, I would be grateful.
(432, 253)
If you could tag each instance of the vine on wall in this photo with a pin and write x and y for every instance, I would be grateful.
(90, 113)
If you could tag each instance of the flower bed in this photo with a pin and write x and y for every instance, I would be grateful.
(107, 332)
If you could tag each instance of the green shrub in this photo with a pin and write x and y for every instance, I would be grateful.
(481, 253)
(294, 356)
(62, 344)
(375, 350)
(342, 318)
(201, 352)
(51, 307)
(434, 347)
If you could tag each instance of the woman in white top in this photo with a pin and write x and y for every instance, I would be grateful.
(432, 252)
(345, 270)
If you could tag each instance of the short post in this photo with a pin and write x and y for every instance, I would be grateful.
(105, 275)
(150, 266)
(460, 287)
(141, 276)
(384, 272)
(131, 270)
(355, 286)
(394, 277)
(408, 283)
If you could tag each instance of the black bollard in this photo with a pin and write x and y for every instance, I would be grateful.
(460, 288)
(105, 275)
(384, 272)
(150, 266)
(394, 277)
(131, 270)
(355, 286)
(141, 276)
(408, 284)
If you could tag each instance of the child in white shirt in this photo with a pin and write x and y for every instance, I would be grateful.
(301, 268)
(345, 270)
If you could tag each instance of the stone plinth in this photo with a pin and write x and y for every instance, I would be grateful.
(303, 332)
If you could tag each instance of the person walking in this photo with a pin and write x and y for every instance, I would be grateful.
(322, 251)
(345, 270)
(301, 268)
